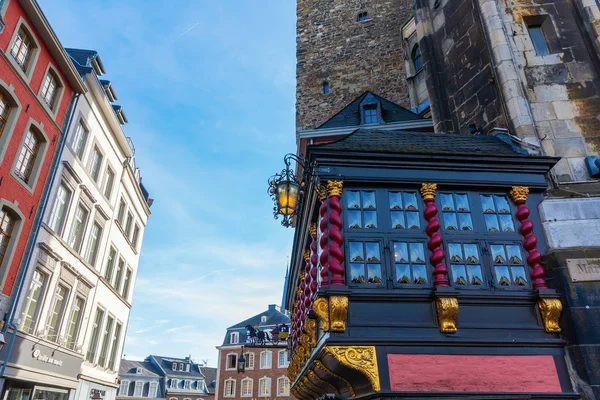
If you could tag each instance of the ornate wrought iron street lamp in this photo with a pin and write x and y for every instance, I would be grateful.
(287, 191)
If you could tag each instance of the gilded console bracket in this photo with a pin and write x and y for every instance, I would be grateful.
(338, 313)
(313, 376)
(319, 365)
(360, 358)
(311, 387)
(550, 310)
(311, 330)
(447, 312)
(321, 308)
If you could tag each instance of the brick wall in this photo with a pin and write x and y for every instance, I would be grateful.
(255, 373)
(351, 56)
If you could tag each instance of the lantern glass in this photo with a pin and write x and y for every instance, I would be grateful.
(241, 366)
(287, 197)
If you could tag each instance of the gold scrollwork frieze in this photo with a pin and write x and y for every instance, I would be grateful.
(321, 308)
(360, 358)
(311, 330)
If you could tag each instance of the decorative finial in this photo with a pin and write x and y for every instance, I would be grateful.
(428, 191)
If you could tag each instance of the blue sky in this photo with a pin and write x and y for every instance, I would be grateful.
(209, 90)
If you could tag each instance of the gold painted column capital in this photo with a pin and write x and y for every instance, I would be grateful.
(519, 193)
(334, 188)
(428, 190)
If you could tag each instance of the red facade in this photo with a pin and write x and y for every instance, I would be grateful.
(25, 165)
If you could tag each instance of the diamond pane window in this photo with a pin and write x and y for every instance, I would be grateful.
(404, 210)
(362, 209)
(456, 213)
(509, 267)
(409, 258)
(496, 213)
(365, 263)
(465, 264)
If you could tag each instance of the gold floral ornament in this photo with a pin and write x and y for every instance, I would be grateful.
(338, 309)
(360, 358)
(311, 330)
(322, 194)
(519, 193)
(319, 365)
(306, 254)
(428, 190)
(321, 308)
(334, 188)
(312, 228)
(447, 312)
(550, 310)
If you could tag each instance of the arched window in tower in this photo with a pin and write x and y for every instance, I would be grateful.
(416, 58)
(325, 87)
(362, 16)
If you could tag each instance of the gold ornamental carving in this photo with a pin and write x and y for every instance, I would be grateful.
(306, 254)
(322, 194)
(311, 330)
(447, 312)
(313, 376)
(321, 308)
(338, 313)
(360, 358)
(319, 365)
(312, 228)
(428, 190)
(334, 188)
(312, 387)
(519, 193)
(550, 310)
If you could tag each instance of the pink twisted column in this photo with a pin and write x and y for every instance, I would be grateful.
(440, 272)
(335, 250)
(324, 240)
(519, 195)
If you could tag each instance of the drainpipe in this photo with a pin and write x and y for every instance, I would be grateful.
(2, 24)
(35, 230)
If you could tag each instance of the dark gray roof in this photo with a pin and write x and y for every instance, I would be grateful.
(404, 142)
(166, 363)
(128, 367)
(274, 317)
(350, 115)
(210, 375)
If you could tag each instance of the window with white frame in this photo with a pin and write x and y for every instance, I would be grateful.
(283, 386)
(263, 319)
(174, 367)
(51, 90)
(57, 309)
(59, 209)
(27, 163)
(23, 48)
(74, 322)
(247, 387)
(106, 339)
(79, 140)
(264, 386)
(265, 359)
(109, 182)
(187, 384)
(95, 163)
(138, 389)
(32, 305)
(121, 212)
(110, 263)
(249, 357)
(123, 388)
(234, 338)
(153, 389)
(129, 224)
(231, 361)
(127, 284)
(93, 346)
(94, 243)
(78, 227)
(115, 347)
(283, 359)
(229, 388)
(136, 236)
(119, 274)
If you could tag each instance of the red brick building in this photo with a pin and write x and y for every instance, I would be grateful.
(265, 375)
(38, 84)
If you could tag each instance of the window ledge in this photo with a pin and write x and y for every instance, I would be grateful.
(21, 182)
(49, 110)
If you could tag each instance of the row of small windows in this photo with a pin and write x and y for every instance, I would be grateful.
(482, 247)
(265, 360)
(264, 387)
(138, 389)
(186, 384)
(180, 367)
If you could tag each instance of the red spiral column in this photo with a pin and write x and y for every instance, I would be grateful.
(307, 298)
(324, 240)
(519, 195)
(440, 272)
(314, 261)
(335, 246)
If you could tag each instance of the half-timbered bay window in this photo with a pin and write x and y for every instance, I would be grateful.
(386, 241)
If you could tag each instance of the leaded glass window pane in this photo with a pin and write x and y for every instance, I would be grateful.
(456, 212)
(365, 263)
(496, 213)
(404, 210)
(361, 206)
(410, 268)
(465, 264)
(509, 265)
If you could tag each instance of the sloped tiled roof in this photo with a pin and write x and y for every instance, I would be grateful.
(166, 363)
(128, 367)
(81, 56)
(350, 115)
(210, 374)
(274, 317)
(404, 142)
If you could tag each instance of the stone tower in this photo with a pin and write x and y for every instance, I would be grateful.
(344, 48)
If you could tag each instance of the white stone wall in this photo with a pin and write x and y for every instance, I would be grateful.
(570, 223)
(61, 263)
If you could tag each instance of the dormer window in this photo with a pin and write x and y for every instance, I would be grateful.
(174, 368)
(234, 338)
(263, 319)
(370, 114)
(362, 16)
(325, 87)
(187, 367)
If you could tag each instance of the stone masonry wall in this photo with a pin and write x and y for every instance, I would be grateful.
(351, 56)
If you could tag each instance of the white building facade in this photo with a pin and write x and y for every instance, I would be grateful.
(78, 291)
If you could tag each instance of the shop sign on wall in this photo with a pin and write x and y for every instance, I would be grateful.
(584, 269)
(38, 355)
